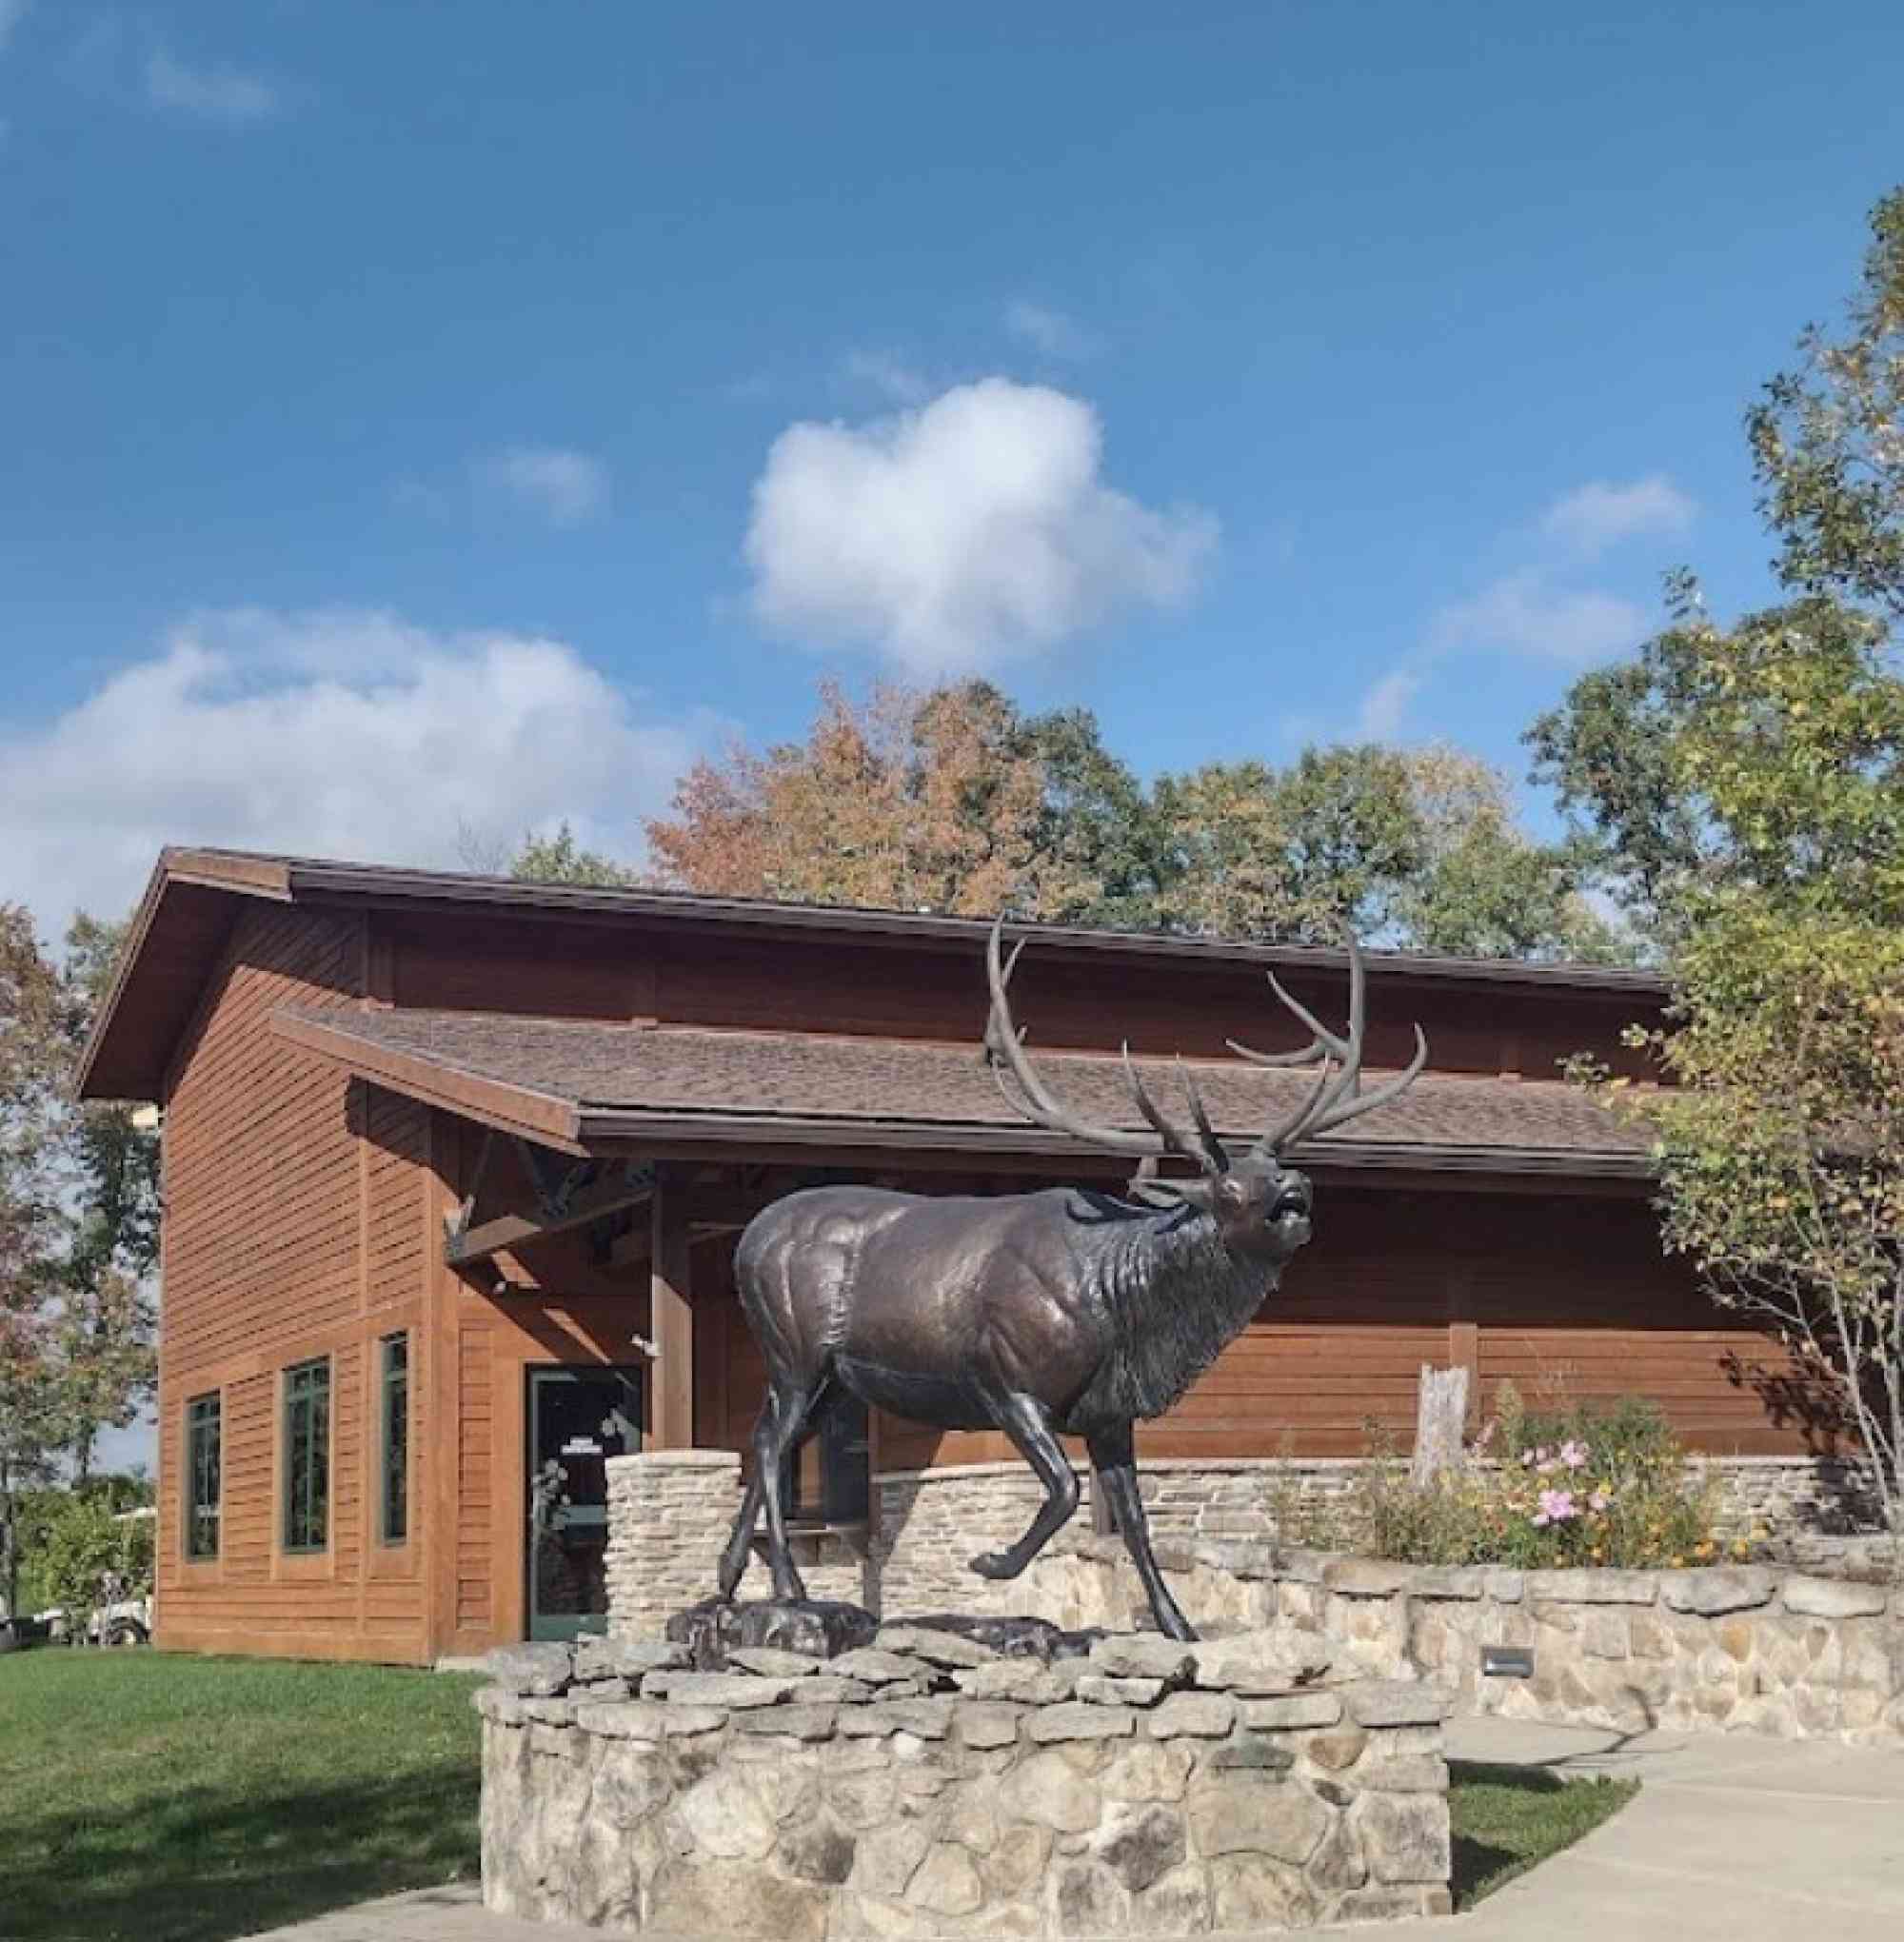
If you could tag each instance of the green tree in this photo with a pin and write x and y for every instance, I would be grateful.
(78, 1225)
(1418, 849)
(1828, 439)
(1745, 787)
(1255, 851)
(109, 1319)
(560, 859)
(34, 1035)
(1483, 888)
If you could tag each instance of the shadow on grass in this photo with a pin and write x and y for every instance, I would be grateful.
(1506, 1820)
(201, 1865)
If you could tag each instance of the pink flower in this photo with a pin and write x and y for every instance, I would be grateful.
(1599, 1501)
(1574, 1455)
(1556, 1506)
(1527, 1460)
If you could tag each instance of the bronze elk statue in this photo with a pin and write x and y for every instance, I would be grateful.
(1070, 1311)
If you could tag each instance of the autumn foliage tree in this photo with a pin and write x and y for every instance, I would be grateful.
(940, 801)
(78, 1226)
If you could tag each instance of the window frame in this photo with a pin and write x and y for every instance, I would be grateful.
(290, 1402)
(393, 1414)
(196, 1514)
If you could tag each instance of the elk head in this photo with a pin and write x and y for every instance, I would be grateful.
(1261, 1204)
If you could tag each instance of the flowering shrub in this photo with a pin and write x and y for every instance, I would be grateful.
(1589, 1487)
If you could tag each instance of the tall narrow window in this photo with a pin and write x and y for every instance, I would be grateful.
(202, 1481)
(308, 1455)
(396, 1500)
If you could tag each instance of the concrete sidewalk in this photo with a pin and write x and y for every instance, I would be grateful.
(1731, 1840)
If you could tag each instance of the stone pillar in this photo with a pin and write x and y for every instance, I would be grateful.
(670, 1514)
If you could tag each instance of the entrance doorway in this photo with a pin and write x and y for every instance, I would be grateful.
(578, 1418)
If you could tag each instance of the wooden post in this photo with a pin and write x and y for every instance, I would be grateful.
(1442, 1415)
(670, 1424)
(1464, 1352)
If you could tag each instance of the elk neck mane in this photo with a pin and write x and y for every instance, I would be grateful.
(1176, 1297)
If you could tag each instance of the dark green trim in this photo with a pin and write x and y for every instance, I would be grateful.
(307, 1455)
(203, 1475)
(393, 1443)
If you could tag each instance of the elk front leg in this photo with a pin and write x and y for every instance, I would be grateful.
(1115, 1462)
(1028, 1423)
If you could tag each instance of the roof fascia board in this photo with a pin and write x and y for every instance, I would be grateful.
(596, 1125)
(244, 875)
(491, 1103)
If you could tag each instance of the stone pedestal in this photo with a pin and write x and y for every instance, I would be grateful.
(928, 1785)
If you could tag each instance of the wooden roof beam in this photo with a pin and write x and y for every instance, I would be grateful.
(566, 1197)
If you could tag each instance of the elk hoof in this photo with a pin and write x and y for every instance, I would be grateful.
(995, 1564)
(1175, 1625)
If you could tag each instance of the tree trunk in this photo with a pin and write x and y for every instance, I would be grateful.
(9, 1556)
(1440, 1418)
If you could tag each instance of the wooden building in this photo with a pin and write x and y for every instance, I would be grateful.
(453, 1169)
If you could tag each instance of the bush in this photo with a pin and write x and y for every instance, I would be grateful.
(1588, 1485)
(77, 1538)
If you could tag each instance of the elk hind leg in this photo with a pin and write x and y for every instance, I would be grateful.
(777, 1432)
(1115, 1462)
(1028, 1423)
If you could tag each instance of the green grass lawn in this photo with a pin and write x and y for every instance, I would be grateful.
(1506, 1820)
(152, 1798)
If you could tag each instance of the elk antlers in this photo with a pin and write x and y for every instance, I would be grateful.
(1335, 1100)
(1004, 1050)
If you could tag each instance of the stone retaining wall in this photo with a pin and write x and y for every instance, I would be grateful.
(930, 1521)
(670, 1513)
(1742, 1647)
(928, 1786)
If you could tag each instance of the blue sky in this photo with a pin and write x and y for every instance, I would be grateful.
(428, 417)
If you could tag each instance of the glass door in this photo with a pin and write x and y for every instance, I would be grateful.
(578, 1418)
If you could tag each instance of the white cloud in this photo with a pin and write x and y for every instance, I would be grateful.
(1383, 708)
(1047, 330)
(1526, 613)
(563, 487)
(885, 375)
(1599, 515)
(12, 12)
(958, 536)
(222, 94)
(333, 733)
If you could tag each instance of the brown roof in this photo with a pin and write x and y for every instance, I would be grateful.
(578, 1083)
(194, 894)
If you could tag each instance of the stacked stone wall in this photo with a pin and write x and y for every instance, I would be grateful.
(669, 1516)
(928, 1786)
(929, 1522)
(1735, 1647)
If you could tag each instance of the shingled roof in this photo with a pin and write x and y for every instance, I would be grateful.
(578, 1084)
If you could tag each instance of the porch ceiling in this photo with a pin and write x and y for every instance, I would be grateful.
(583, 1086)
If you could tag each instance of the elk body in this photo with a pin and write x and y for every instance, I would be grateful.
(1070, 1311)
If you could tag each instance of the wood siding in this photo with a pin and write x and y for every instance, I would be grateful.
(296, 1209)
(568, 969)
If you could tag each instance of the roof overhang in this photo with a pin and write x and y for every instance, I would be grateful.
(583, 1128)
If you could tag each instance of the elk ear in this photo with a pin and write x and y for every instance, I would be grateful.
(1199, 1194)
